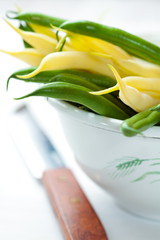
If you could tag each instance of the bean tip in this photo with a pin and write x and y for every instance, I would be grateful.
(11, 14)
(129, 131)
(18, 8)
(22, 76)
(98, 92)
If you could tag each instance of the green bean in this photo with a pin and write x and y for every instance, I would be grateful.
(25, 27)
(141, 121)
(76, 77)
(132, 44)
(100, 80)
(78, 94)
(81, 78)
(36, 18)
(20, 72)
(46, 76)
(71, 78)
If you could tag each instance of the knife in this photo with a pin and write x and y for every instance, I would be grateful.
(76, 215)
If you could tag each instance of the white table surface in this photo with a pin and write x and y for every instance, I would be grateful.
(25, 210)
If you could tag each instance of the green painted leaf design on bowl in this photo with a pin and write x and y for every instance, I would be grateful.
(128, 165)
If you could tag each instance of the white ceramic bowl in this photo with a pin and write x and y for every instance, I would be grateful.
(127, 168)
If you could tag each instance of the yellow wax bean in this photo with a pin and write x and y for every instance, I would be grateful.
(39, 41)
(99, 45)
(137, 100)
(81, 42)
(18, 8)
(143, 84)
(106, 91)
(73, 60)
(75, 43)
(48, 32)
(131, 96)
(44, 30)
(118, 67)
(139, 67)
(28, 55)
(154, 94)
(150, 86)
(134, 66)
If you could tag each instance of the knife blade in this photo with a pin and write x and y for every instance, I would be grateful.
(77, 217)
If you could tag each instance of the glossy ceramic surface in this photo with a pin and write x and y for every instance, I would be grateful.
(127, 168)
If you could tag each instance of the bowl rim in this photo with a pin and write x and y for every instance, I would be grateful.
(98, 121)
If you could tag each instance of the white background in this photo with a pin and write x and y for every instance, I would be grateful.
(25, 211)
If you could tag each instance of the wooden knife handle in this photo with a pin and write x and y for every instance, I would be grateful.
(77, 217)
